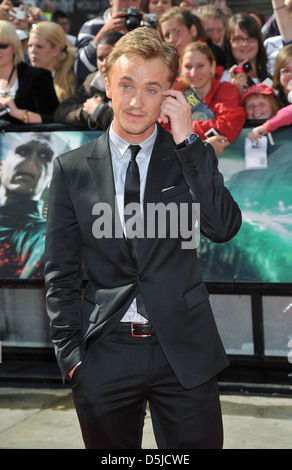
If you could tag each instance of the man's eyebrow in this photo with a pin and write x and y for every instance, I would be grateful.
(126, 77)
(155, 83)
(130, 79)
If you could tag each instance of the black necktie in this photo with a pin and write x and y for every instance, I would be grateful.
(132, 182)
(132, 194)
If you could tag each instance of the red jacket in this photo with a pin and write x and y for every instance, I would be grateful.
(224, 100)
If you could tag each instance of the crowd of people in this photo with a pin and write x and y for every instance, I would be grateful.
(232, 63)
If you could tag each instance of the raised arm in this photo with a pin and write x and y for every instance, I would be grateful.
(220, 216)
(283, 15)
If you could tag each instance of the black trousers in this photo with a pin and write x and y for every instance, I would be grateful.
(117, 377)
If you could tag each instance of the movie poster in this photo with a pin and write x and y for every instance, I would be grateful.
(26, 163)
(261, 251)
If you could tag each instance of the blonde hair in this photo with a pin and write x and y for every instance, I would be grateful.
(201, 47)
(211, 11)
(145, 43)
(185, 18)
(65, 78)
(9, 36)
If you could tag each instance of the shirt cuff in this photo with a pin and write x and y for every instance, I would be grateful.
(267, 127)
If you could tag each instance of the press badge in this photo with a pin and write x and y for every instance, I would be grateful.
(256, 153)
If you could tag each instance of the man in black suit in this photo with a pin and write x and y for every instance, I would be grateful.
(144, 330)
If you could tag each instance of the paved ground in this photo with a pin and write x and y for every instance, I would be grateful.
(44, 418)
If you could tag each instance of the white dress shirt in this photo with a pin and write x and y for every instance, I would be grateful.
(120, 154)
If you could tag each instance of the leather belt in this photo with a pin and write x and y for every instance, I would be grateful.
(137, 330)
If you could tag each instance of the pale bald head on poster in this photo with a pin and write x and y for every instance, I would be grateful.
(27, 168)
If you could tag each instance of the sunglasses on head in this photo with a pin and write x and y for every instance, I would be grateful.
(3, 46)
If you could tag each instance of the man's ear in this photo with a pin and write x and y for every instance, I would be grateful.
(107, 88)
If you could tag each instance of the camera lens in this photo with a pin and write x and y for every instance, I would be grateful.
(133, 18)
(247, 67)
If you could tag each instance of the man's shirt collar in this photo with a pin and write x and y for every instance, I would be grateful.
(122, 145)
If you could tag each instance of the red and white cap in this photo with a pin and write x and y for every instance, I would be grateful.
(259, 88)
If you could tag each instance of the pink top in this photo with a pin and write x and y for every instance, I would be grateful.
(282, 118)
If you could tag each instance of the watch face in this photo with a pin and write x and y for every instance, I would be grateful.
(191, 138)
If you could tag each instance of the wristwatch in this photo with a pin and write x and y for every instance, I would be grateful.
(190, 138)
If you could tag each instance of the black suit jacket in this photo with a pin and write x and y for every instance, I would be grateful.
(168, 277)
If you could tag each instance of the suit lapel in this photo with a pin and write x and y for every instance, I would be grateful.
(159, 167)
(160, 163)
(100, 165)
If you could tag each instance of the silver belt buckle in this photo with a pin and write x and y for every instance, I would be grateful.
(133, 328)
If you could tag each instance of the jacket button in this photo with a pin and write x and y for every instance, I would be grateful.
(193, 168)
(141, 276)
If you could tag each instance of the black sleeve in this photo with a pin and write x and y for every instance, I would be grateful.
(36, 91)
(44, 97)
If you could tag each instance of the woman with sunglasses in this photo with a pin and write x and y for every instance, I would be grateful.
(27, 94)
(243, 42)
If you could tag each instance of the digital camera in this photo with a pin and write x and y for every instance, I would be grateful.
(150, 19)
(244, 66)
(20, 13)
(133, 18)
